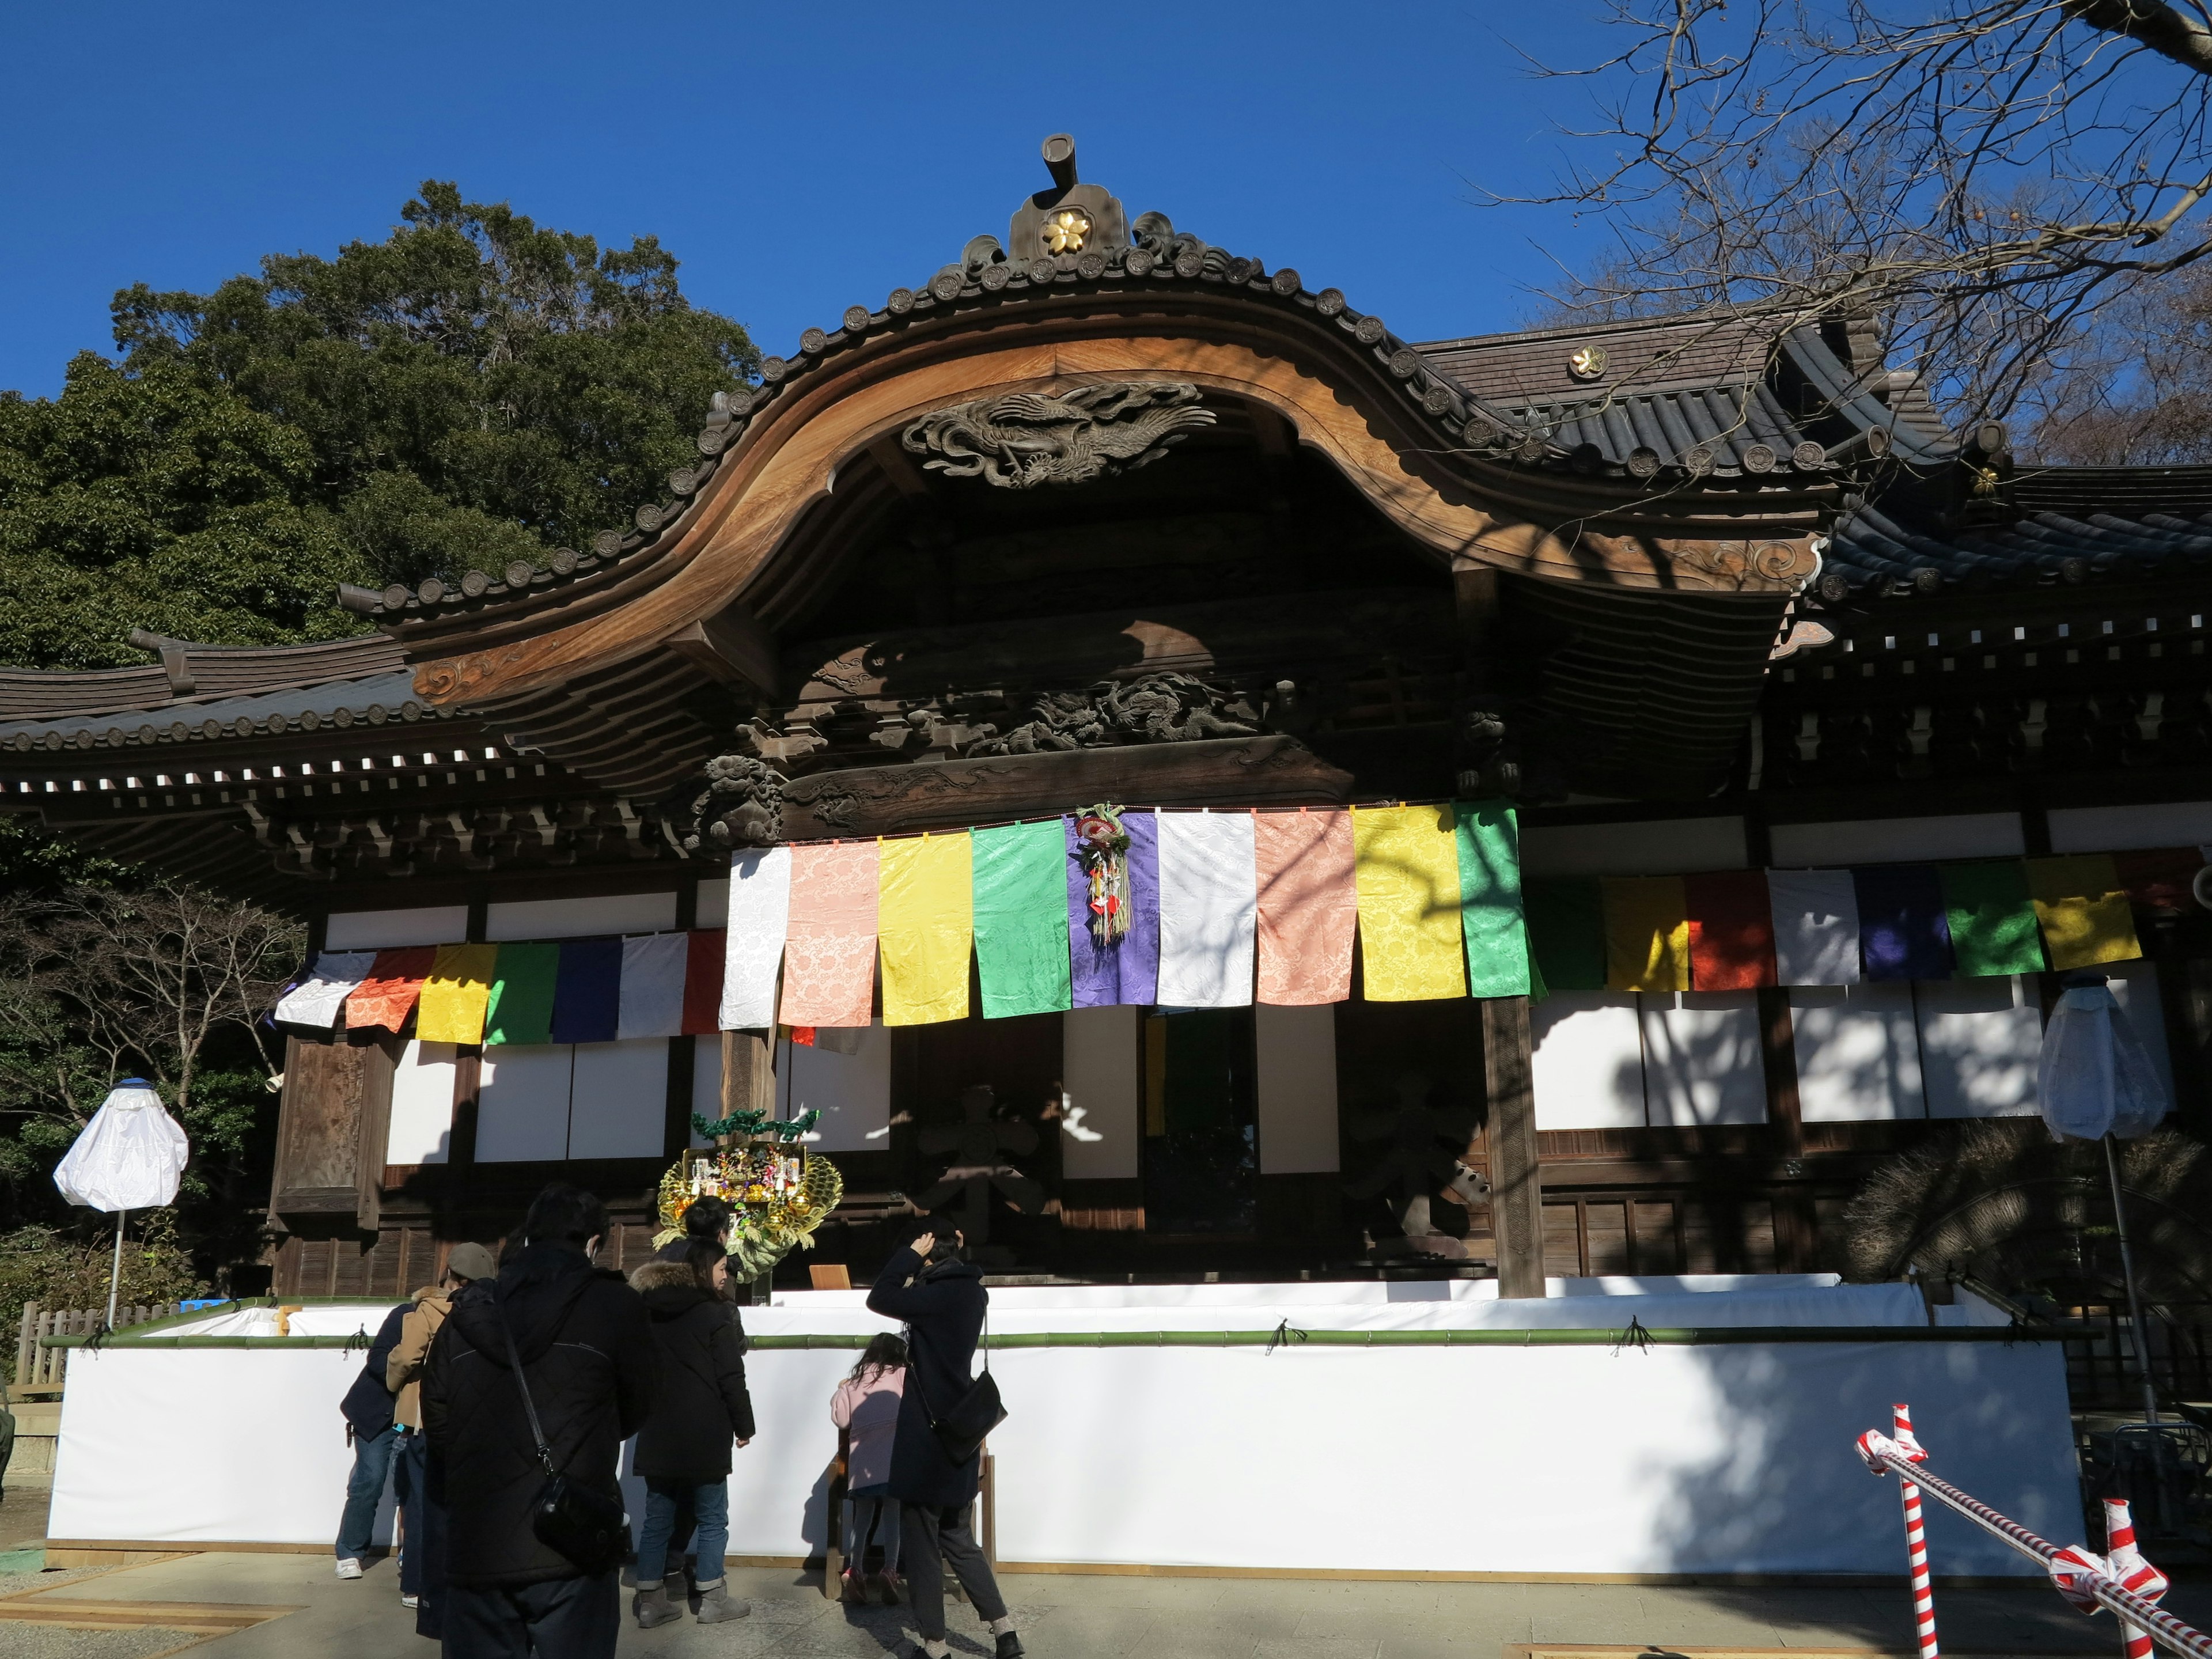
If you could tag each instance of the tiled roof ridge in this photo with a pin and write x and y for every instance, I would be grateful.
(1463, 420)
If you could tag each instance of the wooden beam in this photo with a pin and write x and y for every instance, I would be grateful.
(1516, 1210)
(900, 469)
(870, 800)
(748, 1072)
(731, 646)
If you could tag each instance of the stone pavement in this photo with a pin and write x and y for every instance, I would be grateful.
(1085, 1617)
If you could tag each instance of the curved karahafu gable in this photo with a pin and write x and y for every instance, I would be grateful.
(1475, 484)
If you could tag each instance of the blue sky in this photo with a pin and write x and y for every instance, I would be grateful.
(795, 158)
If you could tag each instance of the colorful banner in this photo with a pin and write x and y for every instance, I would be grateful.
(1904, 930)
(651, 1004)
(1308, 906)
(2084, 910)
(1406, 870)
(704, 953)
(1731, 930)
(1487, 838)
(829, 952)
(587, 991)
(1647, 933)
(521, 1006)
(760, 918)
(1816, 927)
(926, 922)
(388, 995)
(1566, 932)
(1127, 970)
(1021, 960)
(318, 998)
(1208, 909)
(455, 995)
(1992, 919)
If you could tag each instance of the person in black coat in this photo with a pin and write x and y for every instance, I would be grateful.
(702, 1409)
(705, 1217)
(586, 1349)
(368, 1409)
(941, 1297)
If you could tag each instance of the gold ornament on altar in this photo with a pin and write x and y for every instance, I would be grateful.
(777, 1194)
(1065, 231)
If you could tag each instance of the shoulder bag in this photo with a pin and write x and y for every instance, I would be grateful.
(586, 1527)
(961, 1431)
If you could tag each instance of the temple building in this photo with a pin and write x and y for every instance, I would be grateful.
(1713, 615)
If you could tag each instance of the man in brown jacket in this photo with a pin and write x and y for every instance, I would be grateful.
(403, 1375)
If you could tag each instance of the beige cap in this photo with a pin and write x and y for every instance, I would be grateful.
(471, 1262)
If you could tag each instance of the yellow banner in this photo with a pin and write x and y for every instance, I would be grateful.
(1647, 933)
(2084, 912)
(1406, 864)
(456, 995)
(926, 920)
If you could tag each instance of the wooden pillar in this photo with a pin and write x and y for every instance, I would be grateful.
(748, 1072)
(1516, 1197)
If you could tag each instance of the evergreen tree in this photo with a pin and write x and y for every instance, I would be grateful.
(470, 390)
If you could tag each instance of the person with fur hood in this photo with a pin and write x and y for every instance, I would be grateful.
(684, 1451)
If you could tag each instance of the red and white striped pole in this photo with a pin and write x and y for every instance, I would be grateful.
(2134, 1573)
(1916, 1536)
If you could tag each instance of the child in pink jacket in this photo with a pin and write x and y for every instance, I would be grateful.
(866, 1407)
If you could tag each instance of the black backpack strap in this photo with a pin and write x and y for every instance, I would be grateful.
(529, 1405)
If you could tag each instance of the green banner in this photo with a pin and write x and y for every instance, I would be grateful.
(521, 1008)
(1021, 919)
(1567, 930)
(1993, 927)
(1489, 842)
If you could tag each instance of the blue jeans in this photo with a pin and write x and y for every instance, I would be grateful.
(710, 1510)
(372, 1463)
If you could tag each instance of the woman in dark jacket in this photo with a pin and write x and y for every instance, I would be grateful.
(942, 1302)
(684, 1449)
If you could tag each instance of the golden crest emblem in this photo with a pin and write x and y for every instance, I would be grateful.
(1065, 231)
(1586, 362)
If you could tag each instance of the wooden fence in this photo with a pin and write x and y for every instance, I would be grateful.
(45, 1369)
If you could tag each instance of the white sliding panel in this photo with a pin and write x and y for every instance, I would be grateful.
(1979, 1042)
(1588, 1061)
(422, 1124)
(1100, 1081)
(1701, 1058)
(852, 1091)
(1858, 1052)
(1297, 1089)
(618, 1099)
(522, 1103)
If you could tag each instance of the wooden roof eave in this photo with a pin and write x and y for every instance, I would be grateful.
(1340, 406)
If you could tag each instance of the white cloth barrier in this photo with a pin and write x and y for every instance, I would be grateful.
(1507, 1459)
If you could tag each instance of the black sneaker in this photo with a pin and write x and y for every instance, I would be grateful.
(1010, 1646)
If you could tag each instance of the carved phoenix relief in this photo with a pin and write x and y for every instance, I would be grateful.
(1026, 438)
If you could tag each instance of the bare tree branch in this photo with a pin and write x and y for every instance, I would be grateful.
(1983, 177)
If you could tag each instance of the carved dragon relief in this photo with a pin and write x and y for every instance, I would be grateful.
(1027, 438)
(1157, 709)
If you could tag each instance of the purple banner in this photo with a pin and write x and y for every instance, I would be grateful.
(1128, 970)
(1905, 931)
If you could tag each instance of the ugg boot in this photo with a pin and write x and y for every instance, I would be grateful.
(715, 1604)
(651, 1607)
(889, 1588)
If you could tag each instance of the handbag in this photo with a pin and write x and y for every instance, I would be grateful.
(584, 1526)
(961, 1431)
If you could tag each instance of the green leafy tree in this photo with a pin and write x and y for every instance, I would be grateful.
(473, 388)
(471, 391)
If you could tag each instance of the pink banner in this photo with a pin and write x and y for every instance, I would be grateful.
(830, 952)
(1308, 906)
